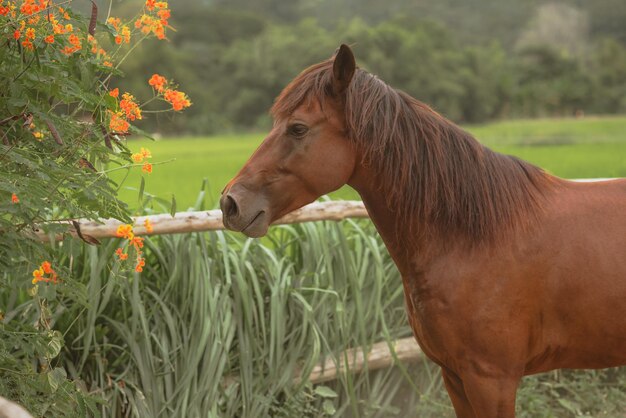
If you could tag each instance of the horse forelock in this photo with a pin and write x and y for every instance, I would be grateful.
(439, 179)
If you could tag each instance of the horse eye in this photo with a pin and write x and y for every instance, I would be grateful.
(298, 130)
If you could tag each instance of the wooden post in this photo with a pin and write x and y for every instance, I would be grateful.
(355, 360)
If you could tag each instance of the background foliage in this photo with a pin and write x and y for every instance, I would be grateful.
(472, 60)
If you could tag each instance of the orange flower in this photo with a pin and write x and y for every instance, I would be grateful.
(75, 41)
(125, 231)
(178, 99)
(64, 13)
(116, 22)
(49, 39)
(164, 14)
(147, 168)
(149, 24)
(4, 10)
(117, 123)
(157, 82)
(159, 32)
(148, 225)
(137, 157)
(137, 242)
(145, 152)
(38, 135)
(38, 275)
(17, 34)
(140, 264)
(130, 107)
(30, 33)
(121, 255)
(29, 7)
(125, 34)
(26, 43)
(45, 268)
(115, 92)
(14, 198)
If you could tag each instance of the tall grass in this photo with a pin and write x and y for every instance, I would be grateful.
(219, 325)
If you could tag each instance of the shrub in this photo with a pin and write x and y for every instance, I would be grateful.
(62, 129)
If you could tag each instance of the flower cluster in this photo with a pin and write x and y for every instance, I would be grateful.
(155, 19)
(45, 274)
(128, 110)
(122, 31)
(117, 123)
(33, 129)
(14, 198)
(157, 82)
(31, 31)
(161, 86)
(178, 99)
(140, 156)
(130, 107)
(126, 232)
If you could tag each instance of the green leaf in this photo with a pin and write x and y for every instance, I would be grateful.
(569, 405)
(173, 206)
(141, 189)
(55, 344)
(325, 392)
(56, 377)
(329, 408)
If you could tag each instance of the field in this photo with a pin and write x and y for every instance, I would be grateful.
(570, 148)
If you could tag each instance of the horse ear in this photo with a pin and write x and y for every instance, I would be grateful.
(344, 66)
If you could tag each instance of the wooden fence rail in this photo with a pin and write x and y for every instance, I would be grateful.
(356, 360)
(211, 220)
(183, 222)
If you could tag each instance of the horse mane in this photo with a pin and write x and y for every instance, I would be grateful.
(435, 174)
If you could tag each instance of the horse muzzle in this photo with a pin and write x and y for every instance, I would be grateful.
(245, 212)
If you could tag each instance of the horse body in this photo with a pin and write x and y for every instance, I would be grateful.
(507, 270)
(547, 297)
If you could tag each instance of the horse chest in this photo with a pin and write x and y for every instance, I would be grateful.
(464, 307)
(428, 311)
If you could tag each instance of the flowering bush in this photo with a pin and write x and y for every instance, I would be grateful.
(62, 129)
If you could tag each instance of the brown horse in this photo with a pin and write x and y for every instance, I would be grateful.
(507, 270)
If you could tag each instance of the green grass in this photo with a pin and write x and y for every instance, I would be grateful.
(570, 148)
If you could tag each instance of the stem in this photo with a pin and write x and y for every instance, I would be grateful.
(127, 166)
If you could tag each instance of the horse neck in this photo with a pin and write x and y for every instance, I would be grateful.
(406, 247)
(414, 242)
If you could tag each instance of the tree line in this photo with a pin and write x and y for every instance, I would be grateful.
(555, 60)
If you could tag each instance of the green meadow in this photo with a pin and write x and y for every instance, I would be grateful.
(570, 148)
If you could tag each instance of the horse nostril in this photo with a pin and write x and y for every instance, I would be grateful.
(230, 207)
